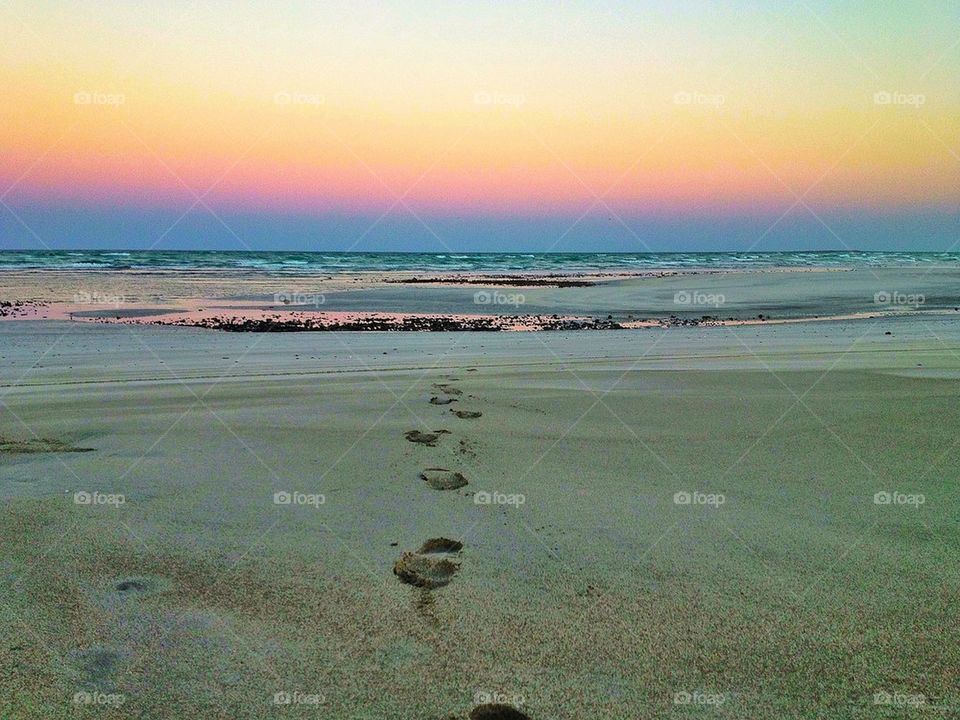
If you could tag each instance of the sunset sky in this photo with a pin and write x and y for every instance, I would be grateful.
(410, 125)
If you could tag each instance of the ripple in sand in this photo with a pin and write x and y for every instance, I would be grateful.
(443, 479)
(37, 445)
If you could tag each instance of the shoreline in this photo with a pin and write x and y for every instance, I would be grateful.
(250, 301)
(257, 319)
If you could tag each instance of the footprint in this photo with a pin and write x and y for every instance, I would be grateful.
(425, 571)
(96, 666)
(432, 566)
(467, 414)
(424, 605)
(496, 711)
(440, 545)
(443, 479)
(442, 401)
(132, 586)
(448, 389)
(429, 439)
(139, 585)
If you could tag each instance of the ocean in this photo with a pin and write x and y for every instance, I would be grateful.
(299, 263)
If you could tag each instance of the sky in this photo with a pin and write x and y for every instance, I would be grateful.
(454, 126)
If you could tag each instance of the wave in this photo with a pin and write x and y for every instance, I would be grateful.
(300, 262)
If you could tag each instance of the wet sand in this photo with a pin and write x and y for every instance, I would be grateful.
(638, 300)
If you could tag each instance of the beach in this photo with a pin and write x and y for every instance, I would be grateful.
(479, 361)
(735, 520)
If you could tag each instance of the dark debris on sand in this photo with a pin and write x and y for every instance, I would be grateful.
(496, 281)
(304, 323)
(18, 308)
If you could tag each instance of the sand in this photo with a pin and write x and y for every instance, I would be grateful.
(658, 523)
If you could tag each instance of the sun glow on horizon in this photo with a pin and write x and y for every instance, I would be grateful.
(539, 110)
